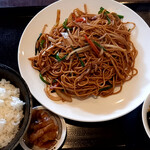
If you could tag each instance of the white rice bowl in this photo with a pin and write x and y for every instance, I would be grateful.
(11, 111)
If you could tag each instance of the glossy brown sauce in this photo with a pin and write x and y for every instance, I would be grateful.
(42, 130)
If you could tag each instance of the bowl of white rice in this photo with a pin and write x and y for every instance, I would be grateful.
(15, 107)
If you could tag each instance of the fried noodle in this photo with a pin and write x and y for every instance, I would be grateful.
(87, 55)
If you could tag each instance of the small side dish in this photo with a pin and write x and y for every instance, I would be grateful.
(42, 131)
(46, 130)
(11, 111)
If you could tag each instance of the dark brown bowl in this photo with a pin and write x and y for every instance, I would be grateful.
(15, 79)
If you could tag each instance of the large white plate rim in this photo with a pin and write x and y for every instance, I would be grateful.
(75, 113)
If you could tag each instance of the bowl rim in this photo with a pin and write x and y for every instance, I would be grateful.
(145, 107)
(25, 125)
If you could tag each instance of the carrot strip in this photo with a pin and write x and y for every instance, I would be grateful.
(54, 86)
(80, 19)
(92, 45)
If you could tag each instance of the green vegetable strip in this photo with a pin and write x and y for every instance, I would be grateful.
(60, 59)
(82, 63)
(39, 36)
(41, 77)
(120, 16)
(105, 88)
(65, 24)
(41, 43)
(109, 20)
(37, 49)
(107, 12)
(101, 10)
(54, 81)
(98, 45)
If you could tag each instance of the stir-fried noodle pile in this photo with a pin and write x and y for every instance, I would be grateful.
(87, 55)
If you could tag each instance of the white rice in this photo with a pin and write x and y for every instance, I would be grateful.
(11, 111)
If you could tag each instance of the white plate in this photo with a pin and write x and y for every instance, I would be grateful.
(61, 132)
(145, 108)
(90, 110)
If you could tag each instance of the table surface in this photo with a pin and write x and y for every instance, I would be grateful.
(126, 132)
(14, 3)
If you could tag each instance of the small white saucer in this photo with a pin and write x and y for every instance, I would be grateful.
(61, 131)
